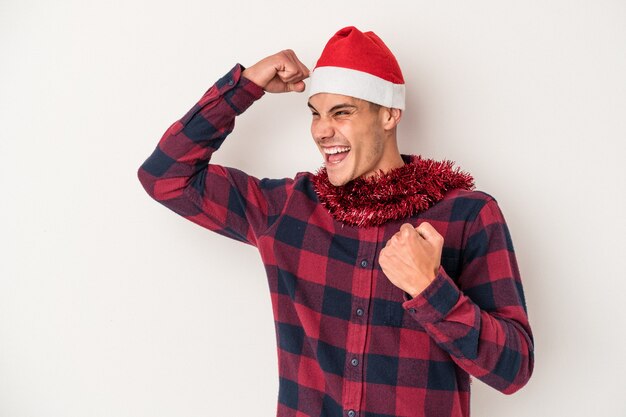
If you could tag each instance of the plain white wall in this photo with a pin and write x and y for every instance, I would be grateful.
(110, 305)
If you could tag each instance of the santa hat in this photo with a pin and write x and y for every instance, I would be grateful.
(360, 65)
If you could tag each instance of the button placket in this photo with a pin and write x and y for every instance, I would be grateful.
(362, 288)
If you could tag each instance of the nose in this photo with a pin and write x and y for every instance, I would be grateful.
(322, 128)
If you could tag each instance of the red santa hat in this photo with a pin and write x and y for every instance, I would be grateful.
(359, 65)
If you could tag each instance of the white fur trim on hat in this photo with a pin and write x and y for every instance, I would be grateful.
(359, 84)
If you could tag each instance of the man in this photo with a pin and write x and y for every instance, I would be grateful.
(391, 280)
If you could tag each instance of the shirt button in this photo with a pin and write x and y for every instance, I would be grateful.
(231, 82)
(351, 413)
(364, 263)
(354, 362)
(411, 310)
(359, 311)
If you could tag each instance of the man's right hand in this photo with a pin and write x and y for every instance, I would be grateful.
(279, 73)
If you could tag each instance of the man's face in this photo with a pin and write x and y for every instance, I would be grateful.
(350, 135)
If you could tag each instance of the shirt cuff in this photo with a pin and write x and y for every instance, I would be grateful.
(435, 302)
(239, 91)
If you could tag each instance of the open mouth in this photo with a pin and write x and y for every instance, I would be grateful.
(336, 154)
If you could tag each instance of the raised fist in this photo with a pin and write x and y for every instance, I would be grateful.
(279, 73)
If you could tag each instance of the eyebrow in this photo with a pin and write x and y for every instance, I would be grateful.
(335, 107)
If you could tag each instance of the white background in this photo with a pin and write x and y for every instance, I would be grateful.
(111, 305)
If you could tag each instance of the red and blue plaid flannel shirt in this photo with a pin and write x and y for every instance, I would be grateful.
(349, 342)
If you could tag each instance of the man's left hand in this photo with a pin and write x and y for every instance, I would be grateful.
(411, 258)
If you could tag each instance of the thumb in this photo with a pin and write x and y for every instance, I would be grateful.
(427, 231)
(297, 87)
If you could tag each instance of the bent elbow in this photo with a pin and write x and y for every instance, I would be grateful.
(147, 181)
(521, 379)
(142, 175)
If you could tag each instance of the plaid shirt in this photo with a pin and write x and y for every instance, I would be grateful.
(349, 342)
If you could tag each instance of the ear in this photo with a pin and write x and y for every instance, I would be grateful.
(390, 117)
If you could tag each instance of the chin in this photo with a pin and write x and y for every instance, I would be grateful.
(338, 181)
(342, 173)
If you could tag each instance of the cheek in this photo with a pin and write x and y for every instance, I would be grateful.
(343, 130)
(372, 147)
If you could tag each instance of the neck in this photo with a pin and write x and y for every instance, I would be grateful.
(395, 161)
(392, 158)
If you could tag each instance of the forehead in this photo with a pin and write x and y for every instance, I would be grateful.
(325, 101)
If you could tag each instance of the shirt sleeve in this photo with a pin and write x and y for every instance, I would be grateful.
(482, 322)
(178, 173)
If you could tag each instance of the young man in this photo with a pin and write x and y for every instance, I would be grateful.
(391, 280)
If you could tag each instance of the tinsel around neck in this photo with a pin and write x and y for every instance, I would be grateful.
(399, 193)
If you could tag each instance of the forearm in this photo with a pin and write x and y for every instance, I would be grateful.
(495, 347)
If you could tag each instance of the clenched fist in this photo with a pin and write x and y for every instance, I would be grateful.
(411, 258)
(279, 73)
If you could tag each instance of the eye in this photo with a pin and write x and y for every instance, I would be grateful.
(342, 113)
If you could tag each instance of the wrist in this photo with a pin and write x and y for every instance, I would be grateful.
(425, 282)
(246, 73)
(255, 77)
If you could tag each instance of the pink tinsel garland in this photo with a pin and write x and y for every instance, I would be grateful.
(397, 194)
